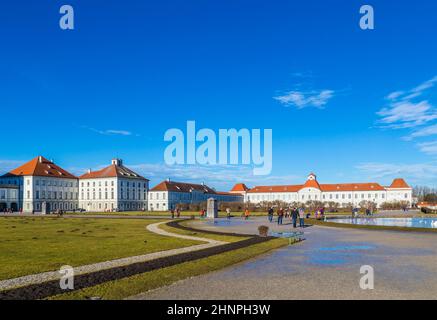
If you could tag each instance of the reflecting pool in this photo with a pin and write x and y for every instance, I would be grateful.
(393, 222)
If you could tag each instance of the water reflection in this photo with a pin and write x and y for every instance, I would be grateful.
(393, 222)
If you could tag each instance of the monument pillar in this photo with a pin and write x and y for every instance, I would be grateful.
(211, 208)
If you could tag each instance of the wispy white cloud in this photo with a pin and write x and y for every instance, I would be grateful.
(428, 147)
(423, 132)
(414, 173)
(110, 132)
(221, 177)
(302, 99)
(407, 114)
(404, 111)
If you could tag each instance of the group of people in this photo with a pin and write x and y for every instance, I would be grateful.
(177, 212)
(8, 210)
(293, 213)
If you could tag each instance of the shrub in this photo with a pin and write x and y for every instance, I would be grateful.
(394, 205)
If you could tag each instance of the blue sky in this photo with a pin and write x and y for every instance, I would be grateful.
(348, 104)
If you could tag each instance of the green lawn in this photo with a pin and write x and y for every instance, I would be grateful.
(126, 287)
(161, 213)
(37, 244)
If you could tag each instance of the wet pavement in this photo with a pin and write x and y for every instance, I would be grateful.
(324, 266)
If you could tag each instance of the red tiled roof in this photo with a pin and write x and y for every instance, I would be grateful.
(112, 171)
(41, 167)
(323, 187)
(351, 187)
(399, 183)
(224, 193)
(311, 184)
(239, 187)
(182, 187)
(267, 189)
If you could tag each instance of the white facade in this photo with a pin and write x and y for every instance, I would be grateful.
(42, 184)
(167, 195)
(53, 193)
(115, 188)
(9, 197)
(343, 194)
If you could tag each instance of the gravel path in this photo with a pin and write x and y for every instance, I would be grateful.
(55, 275)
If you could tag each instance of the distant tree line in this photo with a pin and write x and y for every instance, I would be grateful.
(424, 193)
(310, 206)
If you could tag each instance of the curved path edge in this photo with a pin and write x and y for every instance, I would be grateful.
(48, 283)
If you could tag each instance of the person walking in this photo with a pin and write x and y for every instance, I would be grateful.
(294, 214)
(280, 216)
(178, 212)
(270, 214)
(301, 217)
(246, 214)
(228, 213)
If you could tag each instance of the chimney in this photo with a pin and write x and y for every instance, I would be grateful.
(39, 159)
(168, 179)
(117, 162)
(89, 170)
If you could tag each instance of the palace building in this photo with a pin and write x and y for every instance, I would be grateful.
(115, 187)
(168, 194)
(43, 186)
(40, 185)
(344, 194)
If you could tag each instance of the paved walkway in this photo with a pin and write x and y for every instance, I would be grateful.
(325, 266)
(54, 275)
